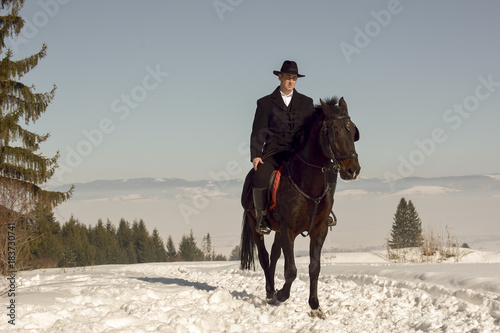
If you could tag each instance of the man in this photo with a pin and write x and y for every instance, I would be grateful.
(278, 118)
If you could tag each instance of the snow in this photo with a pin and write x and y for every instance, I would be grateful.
(425, 191)
(359, 292)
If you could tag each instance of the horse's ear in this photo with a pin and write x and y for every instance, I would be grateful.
(322, 103)
(326, 108)
(343, 105)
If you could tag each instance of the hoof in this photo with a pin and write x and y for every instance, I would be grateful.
(273, 300)
(281, 296)
(318, 313)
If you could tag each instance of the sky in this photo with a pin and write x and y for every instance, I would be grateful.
(169, 88)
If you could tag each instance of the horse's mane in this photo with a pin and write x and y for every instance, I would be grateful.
(303, 135)
(330, 101)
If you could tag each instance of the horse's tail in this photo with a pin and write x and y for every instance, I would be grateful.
(247, 245)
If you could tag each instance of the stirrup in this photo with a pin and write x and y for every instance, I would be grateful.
(332, 220)
(264, 231)
(263, 227)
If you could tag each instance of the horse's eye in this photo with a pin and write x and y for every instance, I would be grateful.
(348, 125)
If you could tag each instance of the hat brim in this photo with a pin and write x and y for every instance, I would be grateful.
(278, 73)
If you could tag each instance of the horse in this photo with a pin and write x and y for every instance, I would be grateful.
(304, 200)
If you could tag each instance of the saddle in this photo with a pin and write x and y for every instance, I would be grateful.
(246, 195)
(272, 189)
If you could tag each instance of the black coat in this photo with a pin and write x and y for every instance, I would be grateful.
(275, 125)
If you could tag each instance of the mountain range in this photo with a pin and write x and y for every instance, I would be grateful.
(365, 207)
(175, 188)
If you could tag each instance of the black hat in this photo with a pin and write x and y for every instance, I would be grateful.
(289, 67)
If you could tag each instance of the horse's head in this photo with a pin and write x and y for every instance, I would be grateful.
(338, 134)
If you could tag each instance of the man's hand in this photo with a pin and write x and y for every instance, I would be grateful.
(256, 161)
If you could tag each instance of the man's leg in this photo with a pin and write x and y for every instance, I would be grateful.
(259, 191)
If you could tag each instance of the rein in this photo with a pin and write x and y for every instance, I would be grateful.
(327, 136)
(327, 187)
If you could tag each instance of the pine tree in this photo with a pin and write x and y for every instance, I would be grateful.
(414, 234)
(407, 226)
(142, 242)
(23, 170)
(188, 249)
(206, 247)
(115, 254)
(171, 251)
(20, 163)
(47, 248)
(77, 250)
(103, 238)
(97, 237)
(235, 253)
(159, 252)
(124, 235)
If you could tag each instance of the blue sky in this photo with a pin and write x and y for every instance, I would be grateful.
(168, 88)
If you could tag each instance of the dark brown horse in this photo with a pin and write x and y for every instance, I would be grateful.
(305, 200)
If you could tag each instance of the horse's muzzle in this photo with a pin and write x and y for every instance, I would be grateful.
(349, 169)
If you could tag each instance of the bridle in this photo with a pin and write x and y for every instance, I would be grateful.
(327, 135)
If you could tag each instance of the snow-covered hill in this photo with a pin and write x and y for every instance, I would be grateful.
(359, 293)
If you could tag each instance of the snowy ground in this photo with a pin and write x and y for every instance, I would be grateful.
(359, 293)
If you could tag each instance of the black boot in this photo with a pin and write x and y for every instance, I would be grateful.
(260, 203)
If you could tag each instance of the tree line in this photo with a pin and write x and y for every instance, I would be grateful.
(75, 244)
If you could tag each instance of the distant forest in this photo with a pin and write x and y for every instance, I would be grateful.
(75, 244)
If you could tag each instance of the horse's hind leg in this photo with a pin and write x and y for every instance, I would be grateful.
(317, 239)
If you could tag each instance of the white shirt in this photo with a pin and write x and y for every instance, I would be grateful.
(286, 98)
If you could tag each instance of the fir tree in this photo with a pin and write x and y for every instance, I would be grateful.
(159, 252)
(142, 242)
(77, 250)
(97, 237)
(103, 239)
(124, 235)
(115, 254)
(171, 251)
(188, 249)
(206, 247)
(235, 253)
(407, 226)
(23, 170)
(20, 163)
(47, 248)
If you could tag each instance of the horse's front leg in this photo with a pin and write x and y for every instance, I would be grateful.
(275, 255)
(287, 244)
(317, 237)
(264, 263)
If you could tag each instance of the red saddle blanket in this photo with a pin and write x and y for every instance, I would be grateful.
(275, 180)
